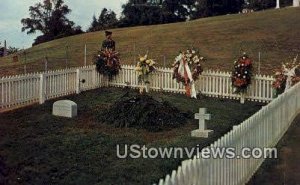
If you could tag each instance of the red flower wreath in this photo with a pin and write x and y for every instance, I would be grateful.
(242, 73)
(108, 63)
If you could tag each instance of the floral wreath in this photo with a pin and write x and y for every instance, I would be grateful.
(108, 63)
(282, 79)
(144, 67)
(279, 83)
(242, 73)
(194, 62)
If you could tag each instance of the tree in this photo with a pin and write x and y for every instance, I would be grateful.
(107, 20)
(261, 4)
(202, 8)
(94, 25)
(175, 11)
(206, 8)
(284, 3)
(145, 12)
(50, 19)
(141, 15)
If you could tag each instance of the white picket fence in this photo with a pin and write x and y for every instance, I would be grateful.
(21, 90)
(211, 83)
(264, 129)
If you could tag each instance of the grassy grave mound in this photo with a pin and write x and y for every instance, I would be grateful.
(143, 112)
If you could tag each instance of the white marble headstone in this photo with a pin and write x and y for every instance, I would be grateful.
(65, 108)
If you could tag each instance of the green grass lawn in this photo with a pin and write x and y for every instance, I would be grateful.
(38, 148)
(274, 33)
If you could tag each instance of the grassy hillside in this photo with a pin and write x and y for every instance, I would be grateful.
(274, 33)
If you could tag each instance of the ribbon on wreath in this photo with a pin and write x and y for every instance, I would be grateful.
(185, 71)
(290, 73)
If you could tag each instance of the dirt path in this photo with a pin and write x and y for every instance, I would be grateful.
(286, 169)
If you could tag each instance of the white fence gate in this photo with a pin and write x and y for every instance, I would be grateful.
(21, 90)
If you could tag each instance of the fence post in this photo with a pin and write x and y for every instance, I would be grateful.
(78, 81)
(25, 69)
(42, 88)
(85, 50)
(94, 73)
(242, 100)
(46, 64)
(259, 59)
(134, 52)
(67, 56)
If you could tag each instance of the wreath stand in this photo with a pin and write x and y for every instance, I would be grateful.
(242, 99)
(145, 85)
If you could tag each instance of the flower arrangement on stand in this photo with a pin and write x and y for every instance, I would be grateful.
(286, 77)
(145, 67)
(241, 75)
(108, 63)
(279, 83)
(187, 69)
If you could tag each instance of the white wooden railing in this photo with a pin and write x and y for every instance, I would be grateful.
(262, 130)
(16, 91)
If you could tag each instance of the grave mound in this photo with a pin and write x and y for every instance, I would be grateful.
(143, 112)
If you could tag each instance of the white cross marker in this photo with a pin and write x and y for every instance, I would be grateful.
(202, 116)
(202, 131)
